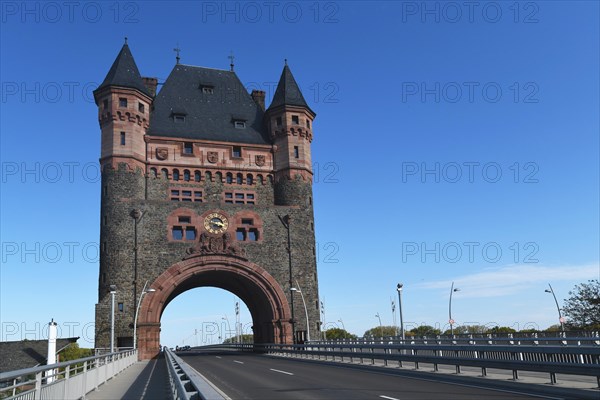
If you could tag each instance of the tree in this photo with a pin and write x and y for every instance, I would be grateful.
(466, 329)
(338, 333)
(501, 329)
(380, 331)
(582, 308)
(74, 352)
(425, 330)
(246, 338)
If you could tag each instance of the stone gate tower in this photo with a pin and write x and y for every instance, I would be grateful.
(203, 186)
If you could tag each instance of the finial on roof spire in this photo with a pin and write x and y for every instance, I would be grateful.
(285, 61)
(125, 39)
(231, 58)
(177, 50)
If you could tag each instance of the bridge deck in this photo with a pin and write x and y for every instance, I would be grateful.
(146, 380)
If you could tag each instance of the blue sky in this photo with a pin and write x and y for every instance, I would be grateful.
(451, 144)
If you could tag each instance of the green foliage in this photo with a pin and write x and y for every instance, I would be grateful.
(380, 331)
(74, 352)
(582, 308)
(425, 330)
(466, 329)
(246, 338)
(501, 329)
(338, 333)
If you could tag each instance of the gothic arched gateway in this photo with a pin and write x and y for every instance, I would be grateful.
(252, 284)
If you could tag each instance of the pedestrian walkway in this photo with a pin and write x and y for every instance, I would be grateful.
(144, 380)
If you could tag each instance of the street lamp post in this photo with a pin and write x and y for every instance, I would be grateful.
(342, 322)
(399, 289)
(380, 326)
(228, 325)
(560, 318)
(285, 220)
(305, 309)
(113, 291)
(137, 310)
(450, 320)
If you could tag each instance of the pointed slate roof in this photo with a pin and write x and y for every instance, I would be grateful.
(206, 114)
(124, 72)
(288, 93)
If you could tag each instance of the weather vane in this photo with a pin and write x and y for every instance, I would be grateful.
(231, 58)
(177, 50)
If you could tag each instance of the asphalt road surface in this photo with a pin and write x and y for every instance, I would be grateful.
(251, 376)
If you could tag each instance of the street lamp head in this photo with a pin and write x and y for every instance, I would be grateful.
(457, 290)
(112, 288)
(293, 289)
(151, 290)
(548, 291)
(399, 286)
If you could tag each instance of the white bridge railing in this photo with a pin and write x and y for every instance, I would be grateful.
(66, 380)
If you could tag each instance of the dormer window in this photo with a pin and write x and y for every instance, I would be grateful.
(188, 148)
(236, 152)
(295, 120)
(178, 116)
(207, 88)
(239, 124)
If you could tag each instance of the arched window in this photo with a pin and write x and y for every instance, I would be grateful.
(175, 174)
(186, 175)
(219, 177)
(249, 179)
(165, 173)
(239, 179)
(153, 173)
(208, 176)
(229, 178)
(260, 179)
(197, 176)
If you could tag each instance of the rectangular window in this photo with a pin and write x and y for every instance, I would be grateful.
(186, 195)
(295, 120)
(239, 198)
(141, 107)
(188, 148)
(278, 121)
(253, 235)
(121, 307)
(122, 138)
(236, 152)
(240, 234)
(190, 233)
(105, 104)
(185, 220)
(239, 124)
(308, 123)
(122, 102)
(177, 233)
(296, 152)
(247, 221)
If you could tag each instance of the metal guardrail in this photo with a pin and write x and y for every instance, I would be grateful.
(186, 383)
(570, 360)
(65, 380)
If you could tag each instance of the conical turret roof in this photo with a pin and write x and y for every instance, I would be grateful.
(124, 72)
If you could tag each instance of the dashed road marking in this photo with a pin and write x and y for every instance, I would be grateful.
(218, 356)
(388, 397)
(236, 361)
(280, 371)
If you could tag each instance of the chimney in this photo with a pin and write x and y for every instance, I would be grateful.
(151, 84)
(52, 333)
(259, 97)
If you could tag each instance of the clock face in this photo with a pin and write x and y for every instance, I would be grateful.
(216, 223)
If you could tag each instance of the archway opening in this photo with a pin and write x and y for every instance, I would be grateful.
(254, 286)
(205, 316)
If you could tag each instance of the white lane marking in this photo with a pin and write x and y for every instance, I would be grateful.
(236, 361)
(387, 397)
(281, 372)
(218, 356)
